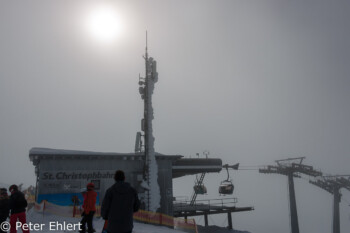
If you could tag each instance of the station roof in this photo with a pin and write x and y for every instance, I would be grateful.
(188, 166)
(180, 166)
(37, 153)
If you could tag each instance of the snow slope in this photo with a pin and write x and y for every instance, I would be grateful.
(35, 217)
(216, 229)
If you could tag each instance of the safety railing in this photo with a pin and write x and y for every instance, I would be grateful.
(209, 204)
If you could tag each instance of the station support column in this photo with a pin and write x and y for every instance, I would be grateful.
(229, 217)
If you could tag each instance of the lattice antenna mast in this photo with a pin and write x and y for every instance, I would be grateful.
(333, 184)
(146, 53)
(146, 90)
(291, 167)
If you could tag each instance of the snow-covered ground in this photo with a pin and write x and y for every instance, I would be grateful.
(45, 219)
(216, 229)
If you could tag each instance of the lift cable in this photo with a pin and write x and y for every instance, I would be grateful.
(250, 168)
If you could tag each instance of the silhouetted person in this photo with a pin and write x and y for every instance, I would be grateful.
(18, 205)
(119, 204)
(4, 206)
(89, 206)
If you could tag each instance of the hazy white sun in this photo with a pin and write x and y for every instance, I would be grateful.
(104, 24)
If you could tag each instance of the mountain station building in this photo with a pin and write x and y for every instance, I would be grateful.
(63, 174)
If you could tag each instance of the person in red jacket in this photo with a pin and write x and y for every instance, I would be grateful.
(89, 208)
(18, 205)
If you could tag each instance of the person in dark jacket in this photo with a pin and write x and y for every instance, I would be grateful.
(89, 206)
(4, 206)
(18, 205)
(119, 204)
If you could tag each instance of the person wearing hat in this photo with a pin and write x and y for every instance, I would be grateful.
(119, 204)
(4, 206)
(89, 207)
(18, 205)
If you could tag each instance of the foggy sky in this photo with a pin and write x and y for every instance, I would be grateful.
(249, 81)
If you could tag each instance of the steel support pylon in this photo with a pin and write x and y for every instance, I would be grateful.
(293, 205)
(336, 213)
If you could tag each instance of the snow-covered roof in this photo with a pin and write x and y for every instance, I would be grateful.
(49, 151)
(38, 153)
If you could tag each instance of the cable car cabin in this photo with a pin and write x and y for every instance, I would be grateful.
(226, 187)
(200, 189)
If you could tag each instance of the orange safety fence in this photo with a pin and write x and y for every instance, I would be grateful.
(187, 225)
(66, 211)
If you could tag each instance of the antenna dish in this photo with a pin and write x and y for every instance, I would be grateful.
(138, 142)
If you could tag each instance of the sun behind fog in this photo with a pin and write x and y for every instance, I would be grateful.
(104, 23)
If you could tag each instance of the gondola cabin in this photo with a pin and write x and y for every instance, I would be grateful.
(200, 189)
(226, 187)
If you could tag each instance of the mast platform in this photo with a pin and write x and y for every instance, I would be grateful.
(208, 207)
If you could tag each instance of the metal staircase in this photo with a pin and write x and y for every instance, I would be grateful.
(199, 182)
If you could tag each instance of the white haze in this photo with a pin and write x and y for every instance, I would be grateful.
(249, 81)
